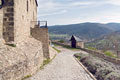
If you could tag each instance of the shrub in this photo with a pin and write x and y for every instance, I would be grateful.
(61, 41)
(110, 54)
(80, 55)
(92, 48)
(113, 76)
(102, 72)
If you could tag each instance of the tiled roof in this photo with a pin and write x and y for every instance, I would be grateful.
(76, 38)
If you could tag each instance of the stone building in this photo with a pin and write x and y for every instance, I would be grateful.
(18, 23)
(76, 42)
(16, 18)
(24, 44)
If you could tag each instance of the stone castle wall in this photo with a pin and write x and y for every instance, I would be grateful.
(17, 18)
(25, 13)
(41, 34)
(1, 23)
(28, 53)
(8, 20)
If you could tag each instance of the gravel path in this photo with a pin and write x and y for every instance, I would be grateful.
(63, 67)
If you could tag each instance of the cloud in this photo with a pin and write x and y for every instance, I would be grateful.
(89, 11)
(81, 4)
(113, 2)
(54, 13)
(48, 6)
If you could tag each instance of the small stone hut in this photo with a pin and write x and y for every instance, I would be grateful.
(76, 42)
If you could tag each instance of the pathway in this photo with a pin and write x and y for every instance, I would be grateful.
(63, 67)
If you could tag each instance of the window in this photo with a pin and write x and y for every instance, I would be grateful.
(27, 5)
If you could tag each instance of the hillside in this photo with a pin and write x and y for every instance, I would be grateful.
(110, 41)
(85, 30)
(114, 26)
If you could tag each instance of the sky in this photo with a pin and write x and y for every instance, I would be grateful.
(63, 12)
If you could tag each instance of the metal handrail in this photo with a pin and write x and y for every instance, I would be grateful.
(39, 24)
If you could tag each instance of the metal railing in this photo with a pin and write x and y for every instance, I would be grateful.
(40, 24)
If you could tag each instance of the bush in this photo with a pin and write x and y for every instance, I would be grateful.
(113, 76)
(92, 48)
(110, 54)
(102, 72)
(80, 55)
(98, 67)
(61, 41)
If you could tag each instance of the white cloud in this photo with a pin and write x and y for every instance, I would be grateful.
(54, 13)
(52, 7)
(81, 3)
(114, 2)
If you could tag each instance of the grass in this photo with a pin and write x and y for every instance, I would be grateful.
(28, 76)
(58, 35)
(70, 48)
(91, 48)
(61, 41)
(57, 49)
(45, 62)
(12, 45)
(110, 54)
(66, 47)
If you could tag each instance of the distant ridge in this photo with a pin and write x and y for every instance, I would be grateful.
(86, 30)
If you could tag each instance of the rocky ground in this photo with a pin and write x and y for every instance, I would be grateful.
(63, 67)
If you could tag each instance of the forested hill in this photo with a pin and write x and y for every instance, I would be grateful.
(86, 30)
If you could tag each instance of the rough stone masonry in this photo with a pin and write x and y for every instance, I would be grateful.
(20, 53)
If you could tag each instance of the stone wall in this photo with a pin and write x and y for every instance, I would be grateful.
(1, 23)
(8, 20)
(80, 44)
(25, 13)
(41, 34)
(20, 61)
(96, 53)
(17, 18)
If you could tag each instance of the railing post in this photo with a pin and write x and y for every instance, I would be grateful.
(46, 24)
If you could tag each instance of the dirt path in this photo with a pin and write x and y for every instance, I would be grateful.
(63, 67)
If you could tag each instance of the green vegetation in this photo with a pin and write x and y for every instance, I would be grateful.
(58, 36)
(92, 48)
(110, 54)
(45, 62)
(28, 76)
(61, 41)
(86, 30)
(100, 68)
(70, 48)
(12, 45)
(57, 49)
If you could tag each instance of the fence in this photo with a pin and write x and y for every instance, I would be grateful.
(40, 24)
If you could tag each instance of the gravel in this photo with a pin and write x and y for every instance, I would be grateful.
(63, 67)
